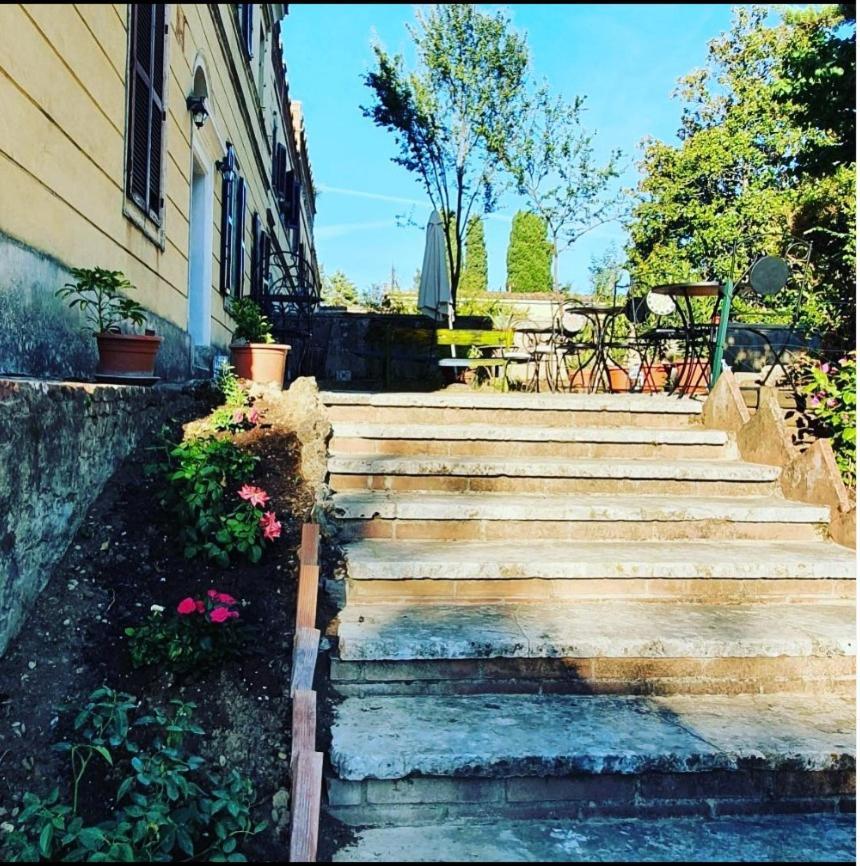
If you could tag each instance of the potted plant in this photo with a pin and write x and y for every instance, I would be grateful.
(96, 292)
(687, 377)
(256, 355)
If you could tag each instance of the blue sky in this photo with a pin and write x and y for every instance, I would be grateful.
(625, 59)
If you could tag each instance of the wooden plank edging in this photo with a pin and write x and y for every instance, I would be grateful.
(304, 722)
(306, 601)
(305, 806)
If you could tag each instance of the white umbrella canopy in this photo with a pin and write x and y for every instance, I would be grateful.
(434, 290)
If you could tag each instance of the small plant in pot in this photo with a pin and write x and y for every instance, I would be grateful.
(98, 294)
(256, 355)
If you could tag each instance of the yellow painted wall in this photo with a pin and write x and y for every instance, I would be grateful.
(62, 142)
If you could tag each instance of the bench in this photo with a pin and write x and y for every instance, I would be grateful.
(501, 343)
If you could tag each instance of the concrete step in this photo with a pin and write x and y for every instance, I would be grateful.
(750, 838)
(729, 572)
(494, 440)
(584, 517)
(587, 410)
(552, 475)
(395, 759)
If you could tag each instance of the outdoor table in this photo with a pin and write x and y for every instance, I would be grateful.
(600, 317)
(540, 344)
(697, 337)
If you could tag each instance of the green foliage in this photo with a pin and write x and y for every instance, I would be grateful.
(251, 325)
(231, 390)
(529, 254)
(338, 290)
(551, 157)
(831, 392)
(168, 805)
(200, 479)
(96, 292)
(755, 161)
(474, 277)
(191, 642)
(455, 113)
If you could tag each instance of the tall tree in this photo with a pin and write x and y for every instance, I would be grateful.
(529, 254)
(474, 278)
(553, 162)
(338, 289)
(454, 114)
(752, 162)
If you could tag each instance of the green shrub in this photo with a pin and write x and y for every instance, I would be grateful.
(97, 293)
(205, 491)
(169, 804)
(251, 325)
(197, 635)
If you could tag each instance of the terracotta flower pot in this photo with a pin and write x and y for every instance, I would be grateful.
(127, 354)
(260, 362)
(580, 380)
(619, 380)
(654, 377)
(693, 377)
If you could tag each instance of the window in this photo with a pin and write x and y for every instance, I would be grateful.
(233, 198)
(246, 27)
(145, 140)
(261, 253)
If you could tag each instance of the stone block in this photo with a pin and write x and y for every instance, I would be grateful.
(843, 528)
(814, 477)
(419, 790)
(765, 438)
(725, 408)
(342, 793)
(598, 788)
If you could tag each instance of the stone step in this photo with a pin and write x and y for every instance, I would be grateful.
(607, 629)
(584, 517)
(750, 838)
(512, 409)
(730, 572)
(493, 440)
(532, 755)
(552, 475)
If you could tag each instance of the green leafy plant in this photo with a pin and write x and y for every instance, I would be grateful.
(217, 513)
(199, 634)
(251, 325)
(96, 292)
(169, 805)
(830, 388)
(231, 390)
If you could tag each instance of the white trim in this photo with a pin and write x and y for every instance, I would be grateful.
(200, 234)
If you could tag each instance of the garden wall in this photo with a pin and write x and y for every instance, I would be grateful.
(59, 444)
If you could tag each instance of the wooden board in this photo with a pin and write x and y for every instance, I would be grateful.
(304, 731)
(305, 648)
(306, 604)
(305, 806)
(309, 551)
(448, 337)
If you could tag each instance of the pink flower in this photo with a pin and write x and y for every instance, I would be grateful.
(212, 593)
(271, 526)
(200, 606)
(825, 367)
(186, 606)
(832, 401)
(255, 495)
(220, 614)
(253, 417)
(232, 614)
(814, 401)
(222, 597)
(238, 416)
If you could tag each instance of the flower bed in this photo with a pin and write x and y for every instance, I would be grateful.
(131, 608)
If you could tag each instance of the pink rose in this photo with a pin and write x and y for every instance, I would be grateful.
(224, 598)
(212, 593)
(200, 606)
(825, 367)
(220, 614)
(255, 495)
(271, 526)
(186, 606)
(238, 416)
(253, 417)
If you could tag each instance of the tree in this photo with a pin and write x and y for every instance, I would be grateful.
(606, 272)
(553, 162)
(529, 254)
(473, 280)
(751, 167)
(454, 114)
(338, 290)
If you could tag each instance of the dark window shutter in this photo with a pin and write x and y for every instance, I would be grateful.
(239, 238)
(246, 27)
(146, 107)
(256, 250)
(227, 220)
(295, 203)
(281, 186)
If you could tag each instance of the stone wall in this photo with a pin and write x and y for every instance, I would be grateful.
(59, 444)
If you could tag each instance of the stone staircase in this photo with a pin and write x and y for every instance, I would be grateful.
(575, 623)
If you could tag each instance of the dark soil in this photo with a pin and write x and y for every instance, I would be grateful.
(123, 560)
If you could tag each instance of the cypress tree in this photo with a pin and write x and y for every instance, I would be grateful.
(474, 278)
(529, 254)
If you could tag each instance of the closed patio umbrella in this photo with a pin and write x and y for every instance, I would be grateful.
(434, 290)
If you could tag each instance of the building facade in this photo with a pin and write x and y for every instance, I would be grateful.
(159, 140)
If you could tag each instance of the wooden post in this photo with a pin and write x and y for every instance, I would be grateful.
(306, 604)
(304, 722)
(309, 552)
(305, 806)
(305, 647)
